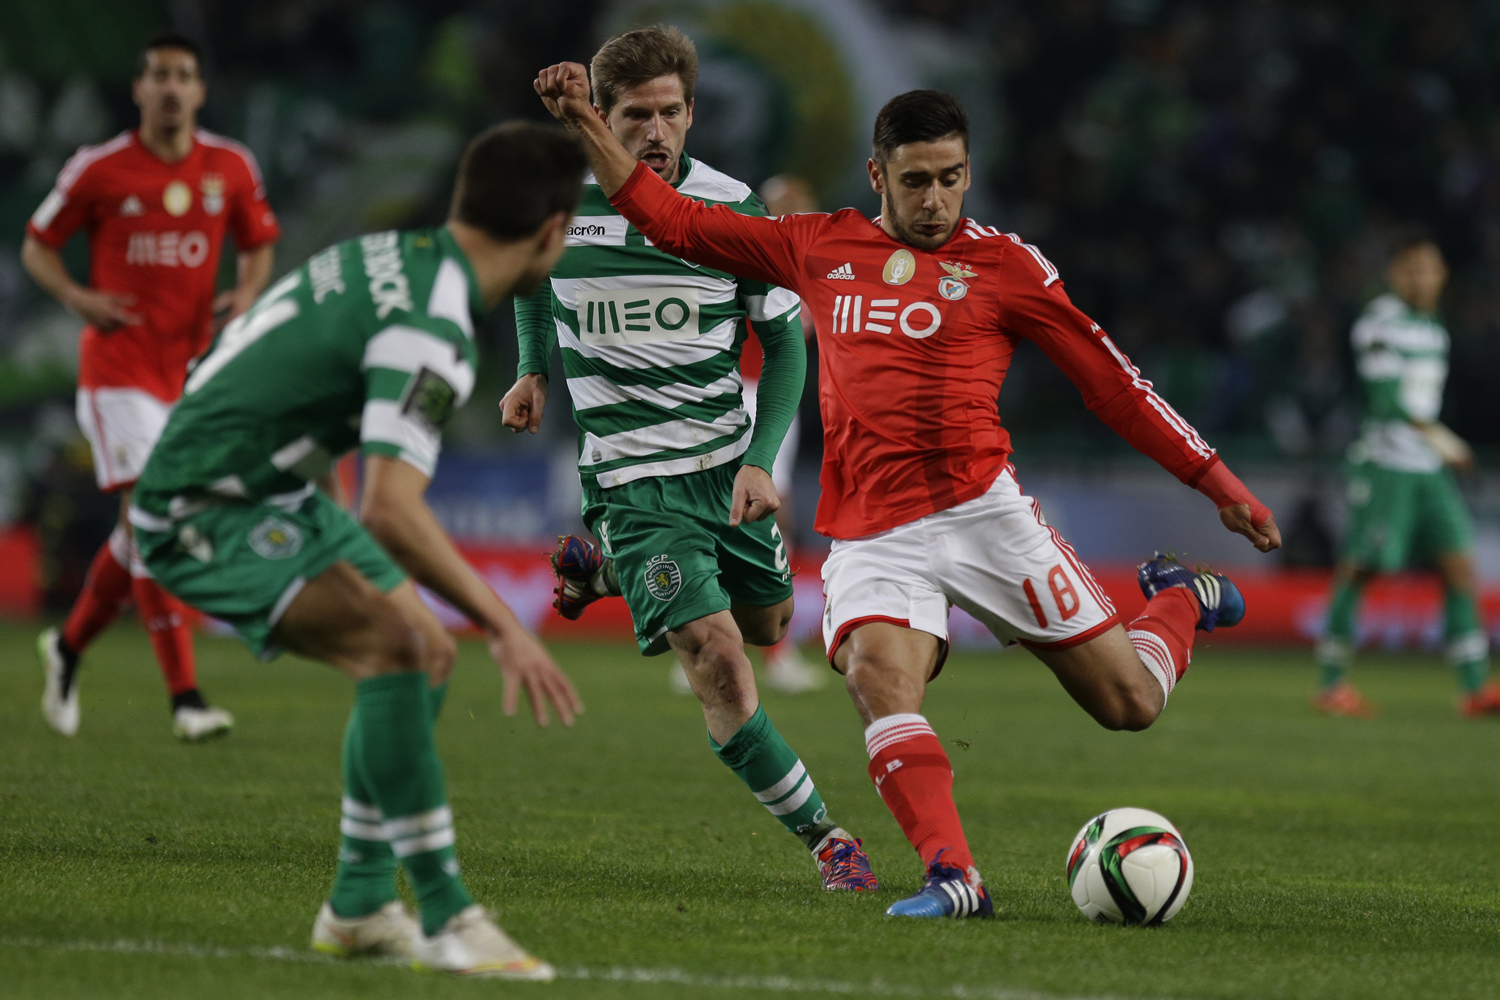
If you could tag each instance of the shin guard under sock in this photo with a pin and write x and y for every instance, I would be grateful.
(171, 639)
(105, 591)
(366, 876)
(915, 780)
(398, 759)
(1335, 652)
(758, 755)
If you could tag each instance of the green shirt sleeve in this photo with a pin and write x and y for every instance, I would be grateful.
(536, 332)
(781, 380)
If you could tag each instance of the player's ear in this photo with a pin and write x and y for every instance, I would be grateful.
(877, 176)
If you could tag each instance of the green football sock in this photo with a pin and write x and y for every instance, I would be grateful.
(398, 759)
(366, 876)
(1336, 651)
(773, 772)
(1468, 650)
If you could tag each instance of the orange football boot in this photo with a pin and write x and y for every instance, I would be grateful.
(1344, 699)
(1485, 701)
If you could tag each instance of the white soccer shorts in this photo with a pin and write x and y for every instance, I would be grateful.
(994, 557)
(122, 426)
(786, 457)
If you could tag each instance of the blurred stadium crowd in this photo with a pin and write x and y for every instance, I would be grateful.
(1216, 181)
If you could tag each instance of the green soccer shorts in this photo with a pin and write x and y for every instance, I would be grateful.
(676, 556)
(1396, 518)
(244, 563)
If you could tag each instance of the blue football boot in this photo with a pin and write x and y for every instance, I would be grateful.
(946, 894)
(575, 562)
(1219, 600)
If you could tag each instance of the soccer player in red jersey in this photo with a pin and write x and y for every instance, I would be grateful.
(920, 312)
(156, 202)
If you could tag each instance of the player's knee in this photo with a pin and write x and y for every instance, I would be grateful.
(768, 630)
(401, 648)
(1129, 709)
(718, 663)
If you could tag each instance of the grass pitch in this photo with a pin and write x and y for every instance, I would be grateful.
(1335, 858)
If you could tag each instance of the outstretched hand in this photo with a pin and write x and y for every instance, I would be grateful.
(521, 409)
(1236, 518)
(754, 496)
(525, 663)
(564, 89)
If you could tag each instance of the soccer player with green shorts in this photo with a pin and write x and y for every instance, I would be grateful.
(676, 480)
(370, 344)
(1404, 506)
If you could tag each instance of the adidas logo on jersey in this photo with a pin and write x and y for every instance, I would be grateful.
(844, 272)
(132, 206)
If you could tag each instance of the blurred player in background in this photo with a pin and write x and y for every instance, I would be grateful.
(676, 481)
(924, 311)
(785, 669)
(1404, 505)
(156, 202)
(369, 344)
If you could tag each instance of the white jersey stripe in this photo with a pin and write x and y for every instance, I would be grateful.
(1161, 405)
(87, 156)
(592, 391)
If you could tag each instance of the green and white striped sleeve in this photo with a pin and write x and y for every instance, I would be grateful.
(414, 380)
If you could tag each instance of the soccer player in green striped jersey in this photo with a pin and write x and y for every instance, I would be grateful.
(1404, 505)
(676, 478)
(368, 344)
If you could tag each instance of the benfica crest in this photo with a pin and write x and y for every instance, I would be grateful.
(952, 286)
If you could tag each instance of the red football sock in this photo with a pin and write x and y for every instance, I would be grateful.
(912, 774)
(1163, 636)
(166, 624)
(105, 591)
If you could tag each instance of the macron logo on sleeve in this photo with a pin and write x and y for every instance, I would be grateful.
(844, 272)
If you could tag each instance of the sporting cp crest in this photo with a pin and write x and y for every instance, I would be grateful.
(663, 578)
(953, 287)
(275, 538)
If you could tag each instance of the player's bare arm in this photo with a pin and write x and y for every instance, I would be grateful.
(253, 273)
(105, 310)
(564, 89)
(395, 511)
(521, 408)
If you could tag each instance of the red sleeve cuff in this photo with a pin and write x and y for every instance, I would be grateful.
(1224, 488)
(47, 239)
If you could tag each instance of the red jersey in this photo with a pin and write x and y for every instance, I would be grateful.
(155, 232)
(913, 346)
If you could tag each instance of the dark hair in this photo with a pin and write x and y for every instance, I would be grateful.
(918, 116)
(513, 177)
(1409, 237)
(639, 56)
(168, 40)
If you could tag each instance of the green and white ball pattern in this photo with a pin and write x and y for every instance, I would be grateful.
(1129, 866)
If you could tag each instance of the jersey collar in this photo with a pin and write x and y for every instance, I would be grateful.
(684, 167)
(452, 249)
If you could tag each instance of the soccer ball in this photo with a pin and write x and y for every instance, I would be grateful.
(1129, 866)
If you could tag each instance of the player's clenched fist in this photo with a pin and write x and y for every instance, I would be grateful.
(564, 89)
(521, 409)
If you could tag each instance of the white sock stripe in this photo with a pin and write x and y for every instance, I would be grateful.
(359, 810)
(783, 787)
(893, 729)
(1335, 651)
(362, 831)
(1156, 658)
(436, 840)
(406, 826)
(793, 802)
(1467, 648)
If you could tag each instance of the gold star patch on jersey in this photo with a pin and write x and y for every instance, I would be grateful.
(952, 285)
(177, 198)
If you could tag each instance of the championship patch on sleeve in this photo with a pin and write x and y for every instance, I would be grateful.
(429, 399)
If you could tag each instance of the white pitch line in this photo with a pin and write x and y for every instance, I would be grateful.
(615, 974)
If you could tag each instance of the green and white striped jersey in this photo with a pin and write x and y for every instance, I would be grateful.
(1402, 359)
(651, 343)
(370, 342)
